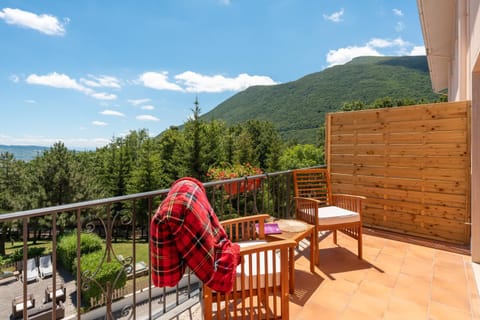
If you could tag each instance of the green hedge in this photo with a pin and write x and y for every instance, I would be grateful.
(101, 273)
(67, 247)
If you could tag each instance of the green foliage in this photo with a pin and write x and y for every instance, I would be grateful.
(298, 108)
(102, 272)
(67, 247)
(32, 252)
(302, 156)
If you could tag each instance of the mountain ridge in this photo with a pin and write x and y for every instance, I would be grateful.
(298, 108)
(23, 152)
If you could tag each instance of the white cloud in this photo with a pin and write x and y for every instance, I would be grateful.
(44, 23)
(344, 55)
(385, 43)
(159, 81)
(335, 17)
(224, 2)
(63, 81)
(418, 51)
(147, 107)
(99, 123)
(102, 81)
(30, 101)
(137, 102)
(190, 81)
(195, 82)
(372, 48)
(57, 80)
(397, 12)
(112, 113)
(146, 117)
(104, 96)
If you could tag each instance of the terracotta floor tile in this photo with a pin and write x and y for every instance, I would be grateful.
(374, 289)
(388, 263)
(394, 251)
(420, 252)
(418, 267)
(352, 314)
(400, 308)
(383, 278)
(368, 305)
(340, 285)
(451, 294)
(333, 300)
(475, 307)
(445, 256)
(440, 311)
(414, 289)
(444, 273)
(315, 310)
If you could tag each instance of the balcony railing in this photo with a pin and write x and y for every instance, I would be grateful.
(127, 218)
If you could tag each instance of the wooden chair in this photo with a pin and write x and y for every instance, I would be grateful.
(315, 204)
(60, 293)
(17, 305)
(261, 288)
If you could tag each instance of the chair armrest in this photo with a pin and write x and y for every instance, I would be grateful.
(349, 202)
(246, 218)
(306, 209)
(243, 228)
(272, 245)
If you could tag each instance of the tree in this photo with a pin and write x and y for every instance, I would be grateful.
(11, 191)
(194, 133)
(301, 156)
(172, 156)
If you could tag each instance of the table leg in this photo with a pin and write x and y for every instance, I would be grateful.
(291, 262)
(313, 250)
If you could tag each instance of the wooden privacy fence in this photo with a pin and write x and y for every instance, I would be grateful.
(412, 163)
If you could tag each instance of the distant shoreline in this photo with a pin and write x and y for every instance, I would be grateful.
(23, 152)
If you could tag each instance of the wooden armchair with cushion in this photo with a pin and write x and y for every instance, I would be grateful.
(261, 288)
(17, 305)
(60, 293)
(315, 204)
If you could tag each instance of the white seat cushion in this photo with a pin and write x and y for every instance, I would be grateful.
(19, 306)
(335, 215)
(59, 293)
(269, 274)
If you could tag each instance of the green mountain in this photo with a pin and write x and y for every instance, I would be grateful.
(298, 108)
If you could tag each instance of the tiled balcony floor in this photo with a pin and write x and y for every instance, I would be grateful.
(396, 280)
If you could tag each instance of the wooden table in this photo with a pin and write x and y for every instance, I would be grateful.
(295, 230)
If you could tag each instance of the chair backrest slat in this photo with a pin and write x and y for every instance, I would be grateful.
(313, 183)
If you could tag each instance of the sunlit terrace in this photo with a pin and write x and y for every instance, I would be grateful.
(400, 277)
(416, 257)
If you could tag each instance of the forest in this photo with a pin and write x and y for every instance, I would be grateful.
(138, 163)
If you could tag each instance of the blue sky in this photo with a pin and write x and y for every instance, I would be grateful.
(83, 72)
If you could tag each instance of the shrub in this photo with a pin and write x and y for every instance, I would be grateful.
(108, 272)
(32, 252)
(67, 247)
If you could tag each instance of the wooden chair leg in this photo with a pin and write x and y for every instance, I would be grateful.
(360, 243)
(207, 303)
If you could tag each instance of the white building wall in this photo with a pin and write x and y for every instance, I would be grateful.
(474, 94)
(474, 15)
